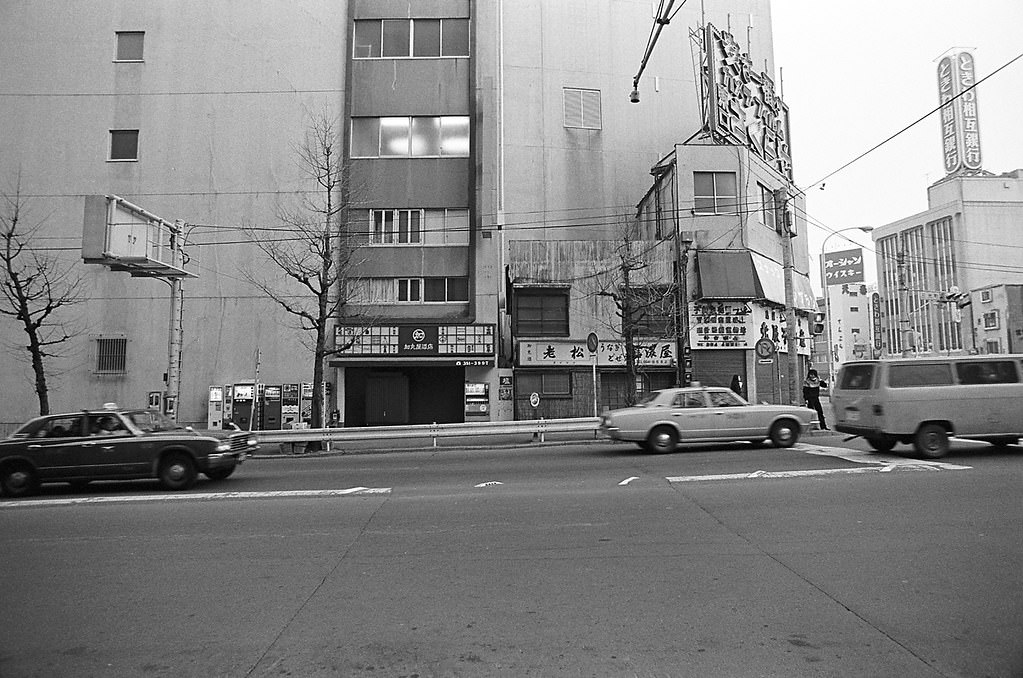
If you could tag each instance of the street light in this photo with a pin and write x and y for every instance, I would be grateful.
(827, 295)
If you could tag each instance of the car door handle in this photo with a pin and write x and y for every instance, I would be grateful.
(34, 447)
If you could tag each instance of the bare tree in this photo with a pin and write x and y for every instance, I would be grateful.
(313, 247)
(37, 289)
(635, 283)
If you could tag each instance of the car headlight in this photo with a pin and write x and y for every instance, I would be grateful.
(252, 442)
(224, 446)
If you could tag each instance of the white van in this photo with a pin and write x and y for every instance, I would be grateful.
(923, 401)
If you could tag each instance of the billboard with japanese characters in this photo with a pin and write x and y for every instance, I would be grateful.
(843, 267)
(960, 128)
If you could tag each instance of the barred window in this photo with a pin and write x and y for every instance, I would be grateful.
(111, 355)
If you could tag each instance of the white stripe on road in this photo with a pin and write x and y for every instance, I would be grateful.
(859, 457)
(199, 496)
(629, 480)
(756, 475)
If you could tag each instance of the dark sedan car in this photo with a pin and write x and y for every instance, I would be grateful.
(115, 444)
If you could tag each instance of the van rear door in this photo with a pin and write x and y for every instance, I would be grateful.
(853, 396)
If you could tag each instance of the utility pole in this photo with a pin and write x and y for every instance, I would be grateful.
(781, 199)
(905, 329)
(682, 376)
(175, 332)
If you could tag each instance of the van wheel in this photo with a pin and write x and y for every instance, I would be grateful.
(931, 441)
(784, 433)
(661, 440)
(881, 444)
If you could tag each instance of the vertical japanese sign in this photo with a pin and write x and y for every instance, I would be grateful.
(875, 319)
(843, 267)
(960, 126)
(742, 106)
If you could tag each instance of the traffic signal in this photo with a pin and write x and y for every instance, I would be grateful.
(818, 323)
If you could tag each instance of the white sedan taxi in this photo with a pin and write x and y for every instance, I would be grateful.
(663, 419)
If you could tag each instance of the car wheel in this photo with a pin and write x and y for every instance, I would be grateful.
(931, 441)
(177, 471)
(220, 473)
(661, 440)
(881, 444)
(784, 433)
(18, 480)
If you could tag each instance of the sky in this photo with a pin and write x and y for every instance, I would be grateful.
(855, 73)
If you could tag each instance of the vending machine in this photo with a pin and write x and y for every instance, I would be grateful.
(215, 408)
(270, 416)
(290, 414)
(228, 407)
(307, 402)
(477, 399)
(241, 408)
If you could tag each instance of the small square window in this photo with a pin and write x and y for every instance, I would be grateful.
(367, 39)
(124, 144)
(129, 45)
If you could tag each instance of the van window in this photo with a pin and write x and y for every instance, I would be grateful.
(857, 377)
(934, 374)
(987, 372)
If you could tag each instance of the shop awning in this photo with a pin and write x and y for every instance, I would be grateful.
(742, 274)
(726, 275)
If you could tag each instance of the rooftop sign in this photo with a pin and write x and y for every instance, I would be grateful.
(960, 129)
(742, 106)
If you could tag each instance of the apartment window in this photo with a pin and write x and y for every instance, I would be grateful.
(854, 309)
(396, 227)
(446, 289)
(541, 313)
(129, 45)
(991, 320)
(582, 108)
(410, 289)
(985, 296)
(433, 290)
(410, 38)
(992, 346)
(124, 144)
(111, 354)
(767, 208)
(653, 311)
(446, 226)
(417, 137)
(714, 193)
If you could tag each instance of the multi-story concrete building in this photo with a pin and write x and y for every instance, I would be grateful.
(959, 242)
(474, 132)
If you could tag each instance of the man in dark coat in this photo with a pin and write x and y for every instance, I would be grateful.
(812, 386)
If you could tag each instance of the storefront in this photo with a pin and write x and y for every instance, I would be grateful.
(395, 375)
(569, 380)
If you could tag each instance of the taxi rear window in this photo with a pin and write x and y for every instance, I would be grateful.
(857, 377)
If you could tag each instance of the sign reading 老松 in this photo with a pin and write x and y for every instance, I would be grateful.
(569, 353)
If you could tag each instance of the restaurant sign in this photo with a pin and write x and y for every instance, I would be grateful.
(574, 353)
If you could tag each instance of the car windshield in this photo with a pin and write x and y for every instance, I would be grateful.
(152, 421)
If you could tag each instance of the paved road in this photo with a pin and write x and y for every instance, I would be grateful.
(561, 560)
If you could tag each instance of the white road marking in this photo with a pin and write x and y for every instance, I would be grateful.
(199, 496)
(759, 475)
(629, 480)
(859, 457)
(490, 483)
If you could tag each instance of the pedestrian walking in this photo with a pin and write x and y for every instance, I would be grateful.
(812, 386)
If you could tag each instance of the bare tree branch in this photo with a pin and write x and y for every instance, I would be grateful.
(36, 289)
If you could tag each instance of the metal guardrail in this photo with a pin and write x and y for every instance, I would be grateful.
(537, 427)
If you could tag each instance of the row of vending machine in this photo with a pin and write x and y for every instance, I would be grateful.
(259, 407)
